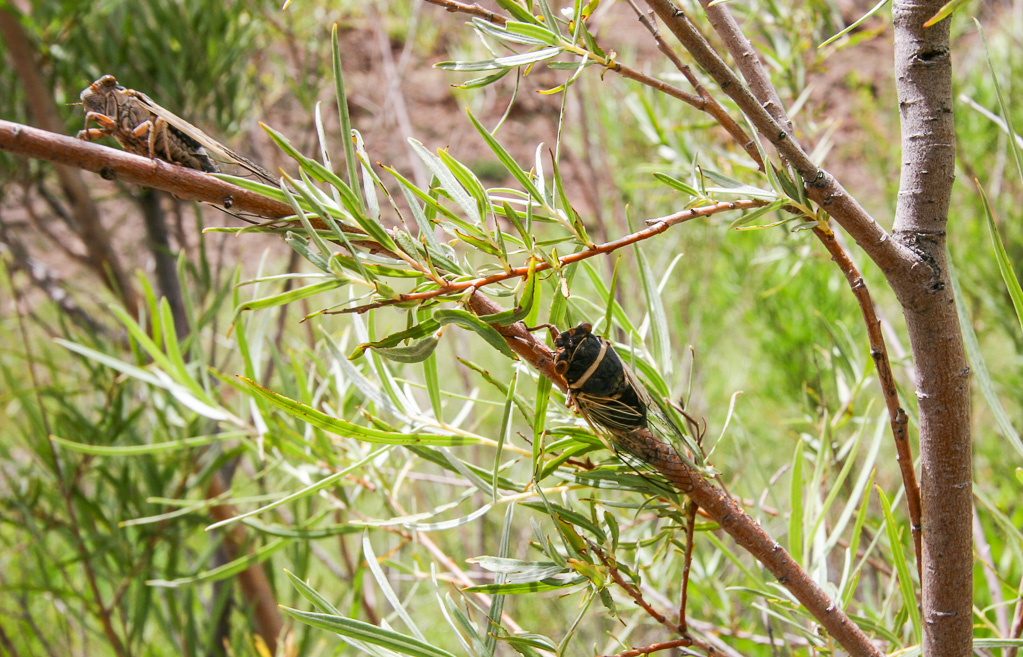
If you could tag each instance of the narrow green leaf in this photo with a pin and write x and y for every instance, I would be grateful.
(659, 331)
(870, 12)
(796, 514)
(534, 31)
(152, 448)
(677, 184)
(516, 10)
(511, 61)
(326, 482)
(505, 432)
(448, 182)
(349, 430)
(469, 321)
(909, 599)
(291, 296)
(980, 370)
(385, 587)
(310, 594)
(732, 186)
(421, 330)
(368, 633)
(509, 163)
(483, 81)
(1002, 258)
(225, 571)
(947, 10)
(346, 121)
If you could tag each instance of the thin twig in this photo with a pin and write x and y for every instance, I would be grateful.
(710, 105)
(633, 592)
(667, 645)
(687, 563)
(655, 227)
(879, 353)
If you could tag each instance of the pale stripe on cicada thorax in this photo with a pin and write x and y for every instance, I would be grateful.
(609, 395)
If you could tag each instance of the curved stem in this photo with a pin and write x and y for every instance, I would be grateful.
(654, 227)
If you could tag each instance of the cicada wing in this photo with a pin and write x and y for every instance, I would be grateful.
(609, 413)
(212, 147)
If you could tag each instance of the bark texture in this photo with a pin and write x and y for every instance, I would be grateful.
(923, 69)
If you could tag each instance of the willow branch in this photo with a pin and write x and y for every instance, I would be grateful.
(894, 259)
(654, 227)
(113, 164)
(746, 60)
(711, 105)
(879, 353)
(731, 517)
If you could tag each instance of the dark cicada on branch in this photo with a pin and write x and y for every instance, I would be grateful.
(613, 400)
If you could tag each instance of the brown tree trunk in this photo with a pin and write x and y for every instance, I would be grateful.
(923, 70)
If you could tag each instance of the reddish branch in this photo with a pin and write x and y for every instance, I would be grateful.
(732, 518)
(655, 227)
(114, 164)
(657, 647)
(879, 353)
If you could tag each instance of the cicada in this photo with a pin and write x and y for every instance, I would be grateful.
(144, 128)
(612, 398)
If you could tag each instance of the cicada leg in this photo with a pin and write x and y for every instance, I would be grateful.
(146, 129)
(105, 129)
(159, 129)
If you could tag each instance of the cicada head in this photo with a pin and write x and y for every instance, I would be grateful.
(577, 349)
(101, 96)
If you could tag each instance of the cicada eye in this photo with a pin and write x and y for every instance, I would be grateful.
(108, 81)
(586, 327)
(561, 367)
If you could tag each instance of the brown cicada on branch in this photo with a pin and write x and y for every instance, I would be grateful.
(144, 128)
